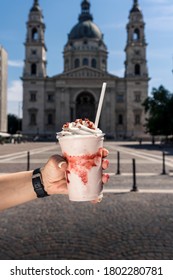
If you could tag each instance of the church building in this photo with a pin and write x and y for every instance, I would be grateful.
(49, 102)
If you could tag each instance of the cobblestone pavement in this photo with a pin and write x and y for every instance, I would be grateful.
(125, 225)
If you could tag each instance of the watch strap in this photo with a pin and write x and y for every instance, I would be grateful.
(37, 183)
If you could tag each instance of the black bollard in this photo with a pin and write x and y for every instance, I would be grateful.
(134, 187)
(118, 163)
(28, 161)
(163, 164)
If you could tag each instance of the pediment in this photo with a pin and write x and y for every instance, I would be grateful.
(85, 72)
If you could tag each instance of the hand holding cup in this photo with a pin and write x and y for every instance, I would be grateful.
(54, 174)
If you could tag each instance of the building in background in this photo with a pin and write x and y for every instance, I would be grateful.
(3, 89)
(49, 102)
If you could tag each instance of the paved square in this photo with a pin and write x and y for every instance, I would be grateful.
(125, 225)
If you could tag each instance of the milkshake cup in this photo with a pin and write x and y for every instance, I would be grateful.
(81, 143)
(84, 173)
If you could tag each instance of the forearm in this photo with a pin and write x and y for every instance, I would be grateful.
(16, 188)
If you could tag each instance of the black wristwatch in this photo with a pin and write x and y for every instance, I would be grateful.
(37, 183)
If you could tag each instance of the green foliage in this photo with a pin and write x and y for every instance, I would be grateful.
(159, 109)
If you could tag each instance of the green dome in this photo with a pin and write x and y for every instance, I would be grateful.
(85, 29)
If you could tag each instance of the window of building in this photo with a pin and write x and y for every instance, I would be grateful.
(50, 97)
(120, 119)
(104, 65)
(120, 98)
(33, 96)
(85, 61)
(137, 96)
(33, 119)
(34, 34)
(136, 34)
(66, 64)
(94, 63)
(50, 119)
(33, 69)
(137, 69)
(137, 119)
(76, 63)
(33, 52)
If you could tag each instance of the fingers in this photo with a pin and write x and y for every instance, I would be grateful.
(98, 200)
(105, 178)
(105, 152)
(105, 164)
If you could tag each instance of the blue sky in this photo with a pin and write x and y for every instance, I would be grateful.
(110, 15)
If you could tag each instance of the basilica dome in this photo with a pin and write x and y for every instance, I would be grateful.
(85, 28)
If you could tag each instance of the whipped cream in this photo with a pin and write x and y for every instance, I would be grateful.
(79, 127)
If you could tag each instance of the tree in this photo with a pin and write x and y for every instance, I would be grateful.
(14, 124)
(159, 110)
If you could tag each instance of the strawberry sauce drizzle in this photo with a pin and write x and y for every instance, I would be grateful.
(80, 165)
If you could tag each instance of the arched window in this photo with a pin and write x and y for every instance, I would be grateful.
(137, 69)
(34, 34)
(93, 63)
(33, 69)
(76, 63)
(136, 34)
(85, 61)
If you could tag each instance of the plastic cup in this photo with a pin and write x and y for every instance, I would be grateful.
(84, 172)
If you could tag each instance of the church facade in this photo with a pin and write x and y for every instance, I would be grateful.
(49, 102)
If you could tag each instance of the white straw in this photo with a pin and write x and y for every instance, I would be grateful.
(100, 104)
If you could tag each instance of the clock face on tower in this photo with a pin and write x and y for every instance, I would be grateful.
(136, 18)
(136, 52)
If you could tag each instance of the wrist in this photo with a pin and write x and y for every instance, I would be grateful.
(38, 184)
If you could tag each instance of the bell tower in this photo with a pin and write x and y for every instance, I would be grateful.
(136, 72)
(35, 48)
(136, 64)
(34, 73)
